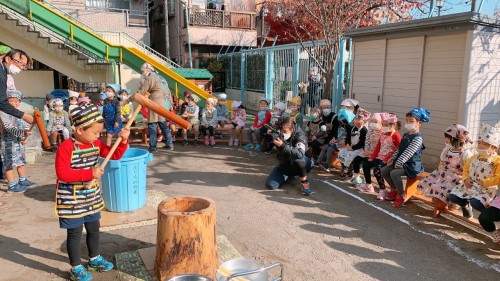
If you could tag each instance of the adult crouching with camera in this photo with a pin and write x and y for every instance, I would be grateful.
(291, 144)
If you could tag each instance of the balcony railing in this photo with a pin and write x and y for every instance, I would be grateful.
(219, 18)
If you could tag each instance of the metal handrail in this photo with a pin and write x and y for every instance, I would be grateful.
(134, 43)
(51, 35)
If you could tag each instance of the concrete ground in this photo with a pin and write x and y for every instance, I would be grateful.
(335, 234)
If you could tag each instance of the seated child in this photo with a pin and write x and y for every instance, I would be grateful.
(407, 159)
(47, 107)
(386, 146)
(127, 108)
(354, 145)
(489, 216)
(78, 205)
(257, 129)
(278, 111)
(73, 100)
(315, 133)
(481, 174)
(58, 123)
(191, 114)
(449, 173)
(222, 110)
(15, 131)
(209, 121)
(238, 121)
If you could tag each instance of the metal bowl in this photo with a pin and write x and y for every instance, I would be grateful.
(241, 266)
(189, 277)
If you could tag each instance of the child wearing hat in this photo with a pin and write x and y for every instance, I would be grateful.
(15, 131)
(111, 113)
(481, 174)
(73, 100)
(78, 205)
(278, 111)
(442, 180)
(47, 107)
(262, 118)
(58, 123)
(354, 146)
(209, 122)
(222, 110)
(238, 121)
(191, 114)
(100, 105)
(126, 105)
(406, 161)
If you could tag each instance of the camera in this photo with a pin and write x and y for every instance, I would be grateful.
(269, 138)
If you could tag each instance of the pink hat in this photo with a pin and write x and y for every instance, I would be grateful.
(376, 116)
(459, 132)
(363, 114)
(389, 118)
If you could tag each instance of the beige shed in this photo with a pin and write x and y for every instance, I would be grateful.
(449, 65)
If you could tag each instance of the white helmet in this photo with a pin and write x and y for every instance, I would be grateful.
(280, 105)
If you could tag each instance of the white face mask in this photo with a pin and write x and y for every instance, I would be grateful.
(482, 152)
(410, 127)
(124, 97)
(287, 136)
(262, 108)
(385, 129)
(58, 109)
(373, 126)
(109, 95)
(73, 102)
(293, 108)
(13, 69)
(327, 111)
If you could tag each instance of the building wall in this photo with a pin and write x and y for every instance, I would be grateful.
(482, 101)
(129, 78)
(222, 37)
(251, 101)
(34, 83)
(102, 20)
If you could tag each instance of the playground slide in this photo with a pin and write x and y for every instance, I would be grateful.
(85, 38)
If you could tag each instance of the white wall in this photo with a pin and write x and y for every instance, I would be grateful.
(251, 101)
(482, 104)
(129, 78)
(34, 83)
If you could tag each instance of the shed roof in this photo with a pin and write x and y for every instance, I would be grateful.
(193, 73)
(461, 19)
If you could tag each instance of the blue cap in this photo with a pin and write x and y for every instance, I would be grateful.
(115, 87)
(126, 90)
(421, 114)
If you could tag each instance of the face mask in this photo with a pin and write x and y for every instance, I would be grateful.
(58, 109)
(287, 136)
(262, 108)
(124, 97)
(314, 116)
(327, 111)
(14, 69)
(373, 126)
(385, 129)
(410, 126)
(110, 95)
(293, 108)
(73, 102)
(483, 152)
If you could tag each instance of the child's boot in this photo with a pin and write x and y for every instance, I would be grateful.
(100, 264)
(212, 140)
(391, 195)
(496, 236)
(206, 140)
(79, 273)
(467, 211)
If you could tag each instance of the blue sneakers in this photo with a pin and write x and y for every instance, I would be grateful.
(248, 146)
(17, 188)
(26, 183)
(257, 147)
(79, 273)
(305, 189)
(100, 264)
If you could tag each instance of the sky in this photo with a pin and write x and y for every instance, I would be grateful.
(458, 6)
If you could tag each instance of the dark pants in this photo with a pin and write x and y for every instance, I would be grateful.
(488, 217)
(377, 166)
(356, 163)
(281, 173)
(394, 177)
(476, 204)
(73, 242)
(152, 127)
(203, 130)
(315, 148)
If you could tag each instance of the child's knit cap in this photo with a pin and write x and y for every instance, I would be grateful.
(85, 115)
(490, 135)
(14, 94)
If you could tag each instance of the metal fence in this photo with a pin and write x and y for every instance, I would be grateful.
(282, 72)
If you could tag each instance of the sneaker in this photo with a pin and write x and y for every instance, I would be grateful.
(367, 188)
(205, 140)
(212, 141)
(231, 142)
(152, 149)
(185, 142)
(17, 188)
(79, 273)
(236, 142)
(100, 264)
(159, 138)
(391, 195)
(356, 180)
(27, 183)
(305, 189)
(495, 236)
(248, 146)
(399, 202)
(257, 147)
(467, 211)
(382, 194)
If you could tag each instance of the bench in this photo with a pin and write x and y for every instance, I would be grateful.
(222, 131)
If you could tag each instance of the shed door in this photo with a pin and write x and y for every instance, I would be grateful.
(367, 74)
(402, 75)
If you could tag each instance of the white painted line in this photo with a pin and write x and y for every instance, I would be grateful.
(449, 243)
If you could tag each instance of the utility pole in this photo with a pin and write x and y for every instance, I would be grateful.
(473, 6)
(166, 12)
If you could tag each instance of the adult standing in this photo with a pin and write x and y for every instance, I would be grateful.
(315, 89)
(150, 83)
(13, 63)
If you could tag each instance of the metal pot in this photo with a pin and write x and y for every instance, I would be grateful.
(250, 269)
(189, 277)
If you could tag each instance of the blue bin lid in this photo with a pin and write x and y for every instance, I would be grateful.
(133, 154)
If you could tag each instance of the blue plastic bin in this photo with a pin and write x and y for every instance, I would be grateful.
(124, 181)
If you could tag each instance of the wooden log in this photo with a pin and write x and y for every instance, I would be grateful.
(185, 240)
(159, 109)
(39, 123)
